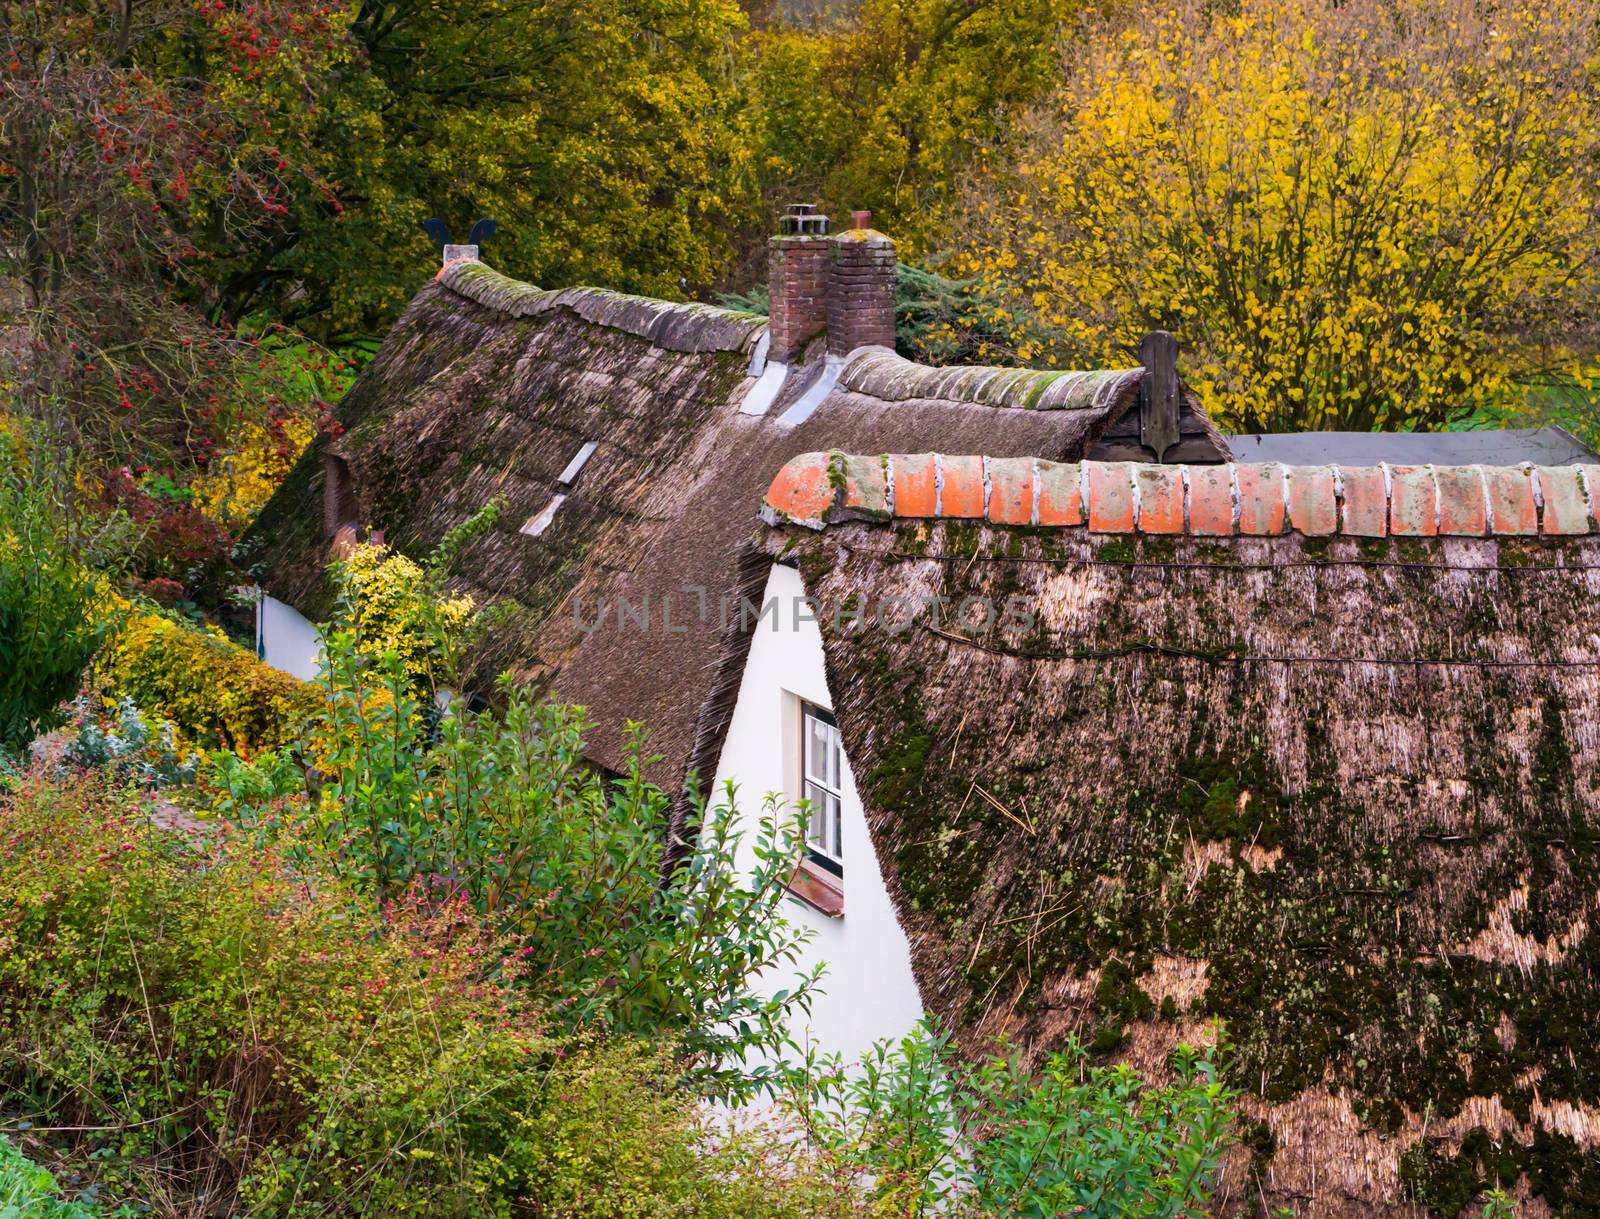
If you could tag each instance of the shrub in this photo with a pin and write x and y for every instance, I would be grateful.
(29, 1192)
(214, 691)
(53, 560)
(500, 810)
(933, 1135)
(200, 1021)
(123, 746)
(388, 609)
(177, 542)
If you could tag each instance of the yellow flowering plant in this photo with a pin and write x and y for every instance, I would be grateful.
(1355, 216)
(236, 487)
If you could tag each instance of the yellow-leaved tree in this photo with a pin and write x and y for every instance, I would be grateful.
(1373, 215)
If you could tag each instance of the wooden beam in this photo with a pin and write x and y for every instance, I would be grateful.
(1158, 392)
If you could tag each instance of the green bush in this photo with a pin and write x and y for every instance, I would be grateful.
(29, 1192)
(933, 1135)
(501, 810)
(206, 1025)
(53, 612)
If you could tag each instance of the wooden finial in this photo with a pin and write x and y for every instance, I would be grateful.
(1158, 392)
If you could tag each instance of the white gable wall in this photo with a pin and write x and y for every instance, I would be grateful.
(286, 639)
(869, 992)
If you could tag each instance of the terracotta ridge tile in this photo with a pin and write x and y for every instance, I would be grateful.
(1261, 499)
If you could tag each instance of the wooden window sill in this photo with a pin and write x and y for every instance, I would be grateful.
(817, 889)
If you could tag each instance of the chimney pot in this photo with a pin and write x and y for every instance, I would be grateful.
(861, 278)
(460, 253)
(797, 271)
(803, 220)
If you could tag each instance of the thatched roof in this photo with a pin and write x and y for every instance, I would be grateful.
(1315, 751)
(489, 386)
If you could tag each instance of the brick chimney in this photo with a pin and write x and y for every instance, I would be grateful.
(860, 288)
(797, 279)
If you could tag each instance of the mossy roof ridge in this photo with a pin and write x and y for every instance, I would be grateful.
(881, 373)
(1342, 793)
(676, 325)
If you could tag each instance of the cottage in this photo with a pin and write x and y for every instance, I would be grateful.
(632, 439)
(1101, 732)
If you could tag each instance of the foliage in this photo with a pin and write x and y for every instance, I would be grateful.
(887, 109)
(199, 1026)
(142, 142)
(606, 136)
(214, 691)
(1497, 1205)
(30, 1192)
(53, 564)
(177, 544)
(123, 746)
(503, 813)
(1354, 216)
(236, 487)
(936, 1136)
(500, 809)
(386, 600)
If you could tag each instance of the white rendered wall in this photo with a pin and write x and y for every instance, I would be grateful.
(286, 639)
(868, 992)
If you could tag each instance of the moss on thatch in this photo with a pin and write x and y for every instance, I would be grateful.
(1347, 802)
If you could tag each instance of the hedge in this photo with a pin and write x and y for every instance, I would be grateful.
(214, 691)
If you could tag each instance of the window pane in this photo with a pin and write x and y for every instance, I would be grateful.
(824, 829)
(816, 749)
(817, 825)
(833, 757)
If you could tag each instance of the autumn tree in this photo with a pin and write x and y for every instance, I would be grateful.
(1378, 214)
(139, 143)
(608, 138)
(886, 109)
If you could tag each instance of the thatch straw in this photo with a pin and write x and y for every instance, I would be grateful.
(1343, 795)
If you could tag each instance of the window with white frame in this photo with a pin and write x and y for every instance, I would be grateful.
(822, 784)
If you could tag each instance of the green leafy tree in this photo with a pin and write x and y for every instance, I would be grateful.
(887, 109)
(608, 138)
(54, 564)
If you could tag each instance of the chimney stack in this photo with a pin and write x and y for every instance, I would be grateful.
(842, 284)
(797, 280)
(861, 289)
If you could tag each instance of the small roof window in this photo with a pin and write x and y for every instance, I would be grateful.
(540, 521)
(579, 460)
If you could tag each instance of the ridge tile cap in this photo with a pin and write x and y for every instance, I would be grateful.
(1269, 498)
